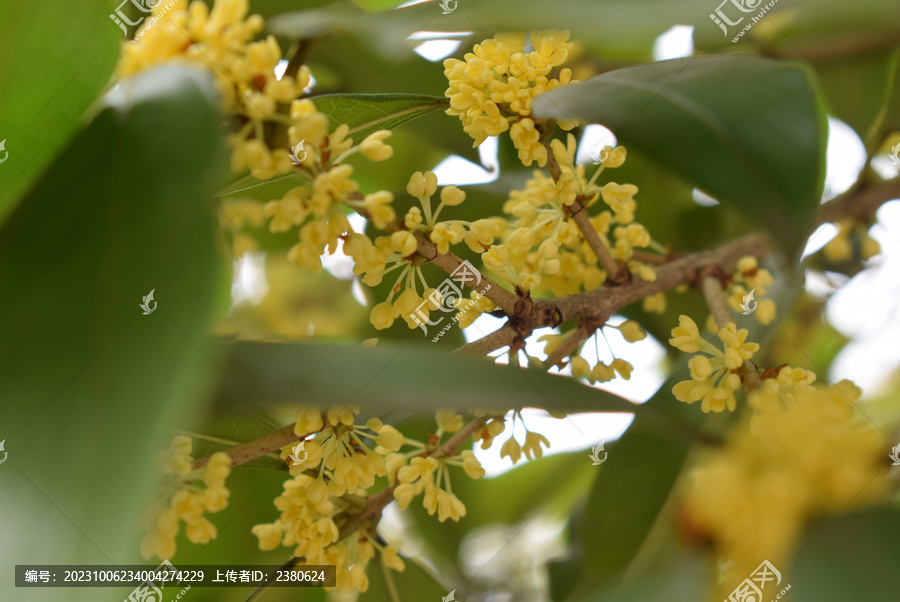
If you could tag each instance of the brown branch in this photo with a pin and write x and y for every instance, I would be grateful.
(687, 269)
(501, 337)
(712, 290)
(614, 270)
(603, 302)
(860, 203)
(501, 297)
(565, 348)
(245, 452)
(654, 258)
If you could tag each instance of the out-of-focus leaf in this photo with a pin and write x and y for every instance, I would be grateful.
(808, 29)
(852, 557)
(632, 488)
(857, 89)
(682, 578)
(409, 377)
(54, 61)
(415, 583)
(377, 5)
(367, 113)
(615, 29)
(746, 130)
(90, 386)
(318, 21)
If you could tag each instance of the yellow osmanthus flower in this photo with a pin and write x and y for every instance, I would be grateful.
(840, 248)
(495, 84)
(339, 466)
(417, 472)
(338, 451)
(749, 277)
(307, 525)
(373, 260)
(814, 457)
(184, 499)
(543, 248)
(471, 309)
(276, 131)
(714, 376)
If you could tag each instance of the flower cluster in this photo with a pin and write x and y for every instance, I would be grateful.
(496, 83)
(531, 448)
(840, 248)
(750, 278)
(184, 499)
(338, 467)
(600, 372)
(276, 132)
(338, 450)
(714, 371)
(328, 484)
(429, 473)
(811, 458)
(308, 526)
(398, 251)
(544, 249)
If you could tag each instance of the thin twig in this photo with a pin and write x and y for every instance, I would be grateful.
(614, 270)
(860, 203)
(501, 337)
(245, 452)
(568, 346)
(715, 298)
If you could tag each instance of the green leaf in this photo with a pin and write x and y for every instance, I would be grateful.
(615, 30)
(684, 578)
(90, 385)
(857, 90)
(415, 583)
(812, 29)
(853, 557)
(377, 5)
(54, 61)
(367, 113)
(746, 130)
(634, 483)
(412, 378)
